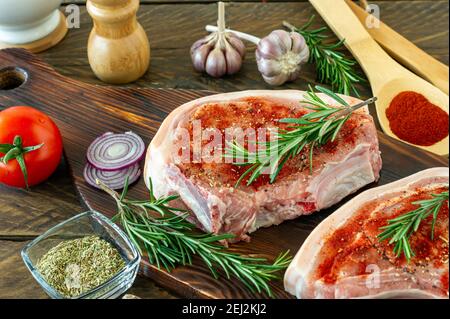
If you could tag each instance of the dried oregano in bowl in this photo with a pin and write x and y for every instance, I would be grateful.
(76, 266)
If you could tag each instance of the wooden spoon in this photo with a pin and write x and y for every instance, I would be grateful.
(387, 77)
(404, 51)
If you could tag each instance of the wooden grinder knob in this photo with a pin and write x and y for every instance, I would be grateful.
(118, 48)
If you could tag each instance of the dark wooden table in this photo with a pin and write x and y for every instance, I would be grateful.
(172, 26)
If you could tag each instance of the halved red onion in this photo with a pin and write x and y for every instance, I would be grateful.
(112, 179)
(110, 152)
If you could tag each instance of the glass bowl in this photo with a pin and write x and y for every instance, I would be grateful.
(86, 224)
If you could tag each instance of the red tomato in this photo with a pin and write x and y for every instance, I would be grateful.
(34, 127)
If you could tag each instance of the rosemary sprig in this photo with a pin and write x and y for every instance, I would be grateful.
(332, 66)
(399, 229)
(313, 129)
(170, 240)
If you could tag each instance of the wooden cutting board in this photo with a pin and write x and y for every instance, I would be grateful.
(84, 111)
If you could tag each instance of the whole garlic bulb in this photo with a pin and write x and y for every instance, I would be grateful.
(220, 52)
(280, 56)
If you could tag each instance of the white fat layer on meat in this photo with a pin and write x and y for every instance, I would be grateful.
(298, 277)
(157, 174)
(190, 195)
(266, 217)
(166, 181)
(340, 179)
(400, 196)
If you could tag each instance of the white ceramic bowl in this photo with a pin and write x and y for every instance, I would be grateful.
(25, 21)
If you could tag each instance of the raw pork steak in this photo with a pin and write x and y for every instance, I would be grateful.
(207, 187)
(343, 258)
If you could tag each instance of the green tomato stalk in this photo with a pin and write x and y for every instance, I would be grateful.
(17, 151)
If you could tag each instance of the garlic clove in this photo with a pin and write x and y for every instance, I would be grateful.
(267, 49)
(208, 40)
(233, 59)
(200, 50)
(236, 43)
(269, 67)
(197, 44)
(199, 56)
(299, 46)
(304, 55)
(283, 39)
(216, 65)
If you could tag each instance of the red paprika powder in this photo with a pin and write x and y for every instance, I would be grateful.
(416, 120)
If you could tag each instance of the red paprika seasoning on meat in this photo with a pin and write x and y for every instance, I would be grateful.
(416, 120)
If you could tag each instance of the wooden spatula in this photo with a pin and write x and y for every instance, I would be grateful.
(387, 77)
(405, 51)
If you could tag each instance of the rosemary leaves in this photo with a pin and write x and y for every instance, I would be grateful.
(313, 129)
(170, 240)
(399, 229)
(332, 66)
(76, 266)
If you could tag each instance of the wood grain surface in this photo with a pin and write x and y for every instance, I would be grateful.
(172, 26)
(83, 112)
(172, 29)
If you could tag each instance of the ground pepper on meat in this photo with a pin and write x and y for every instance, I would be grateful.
(353, 246)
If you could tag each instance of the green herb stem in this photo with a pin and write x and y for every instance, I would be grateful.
(398, 230)
(312, 130)
(332, 66)
(170, 240)
(17, 151)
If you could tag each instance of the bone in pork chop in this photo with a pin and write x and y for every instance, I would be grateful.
(344, 258)
(207, 188)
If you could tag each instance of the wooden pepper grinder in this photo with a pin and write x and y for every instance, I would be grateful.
(118, 48)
